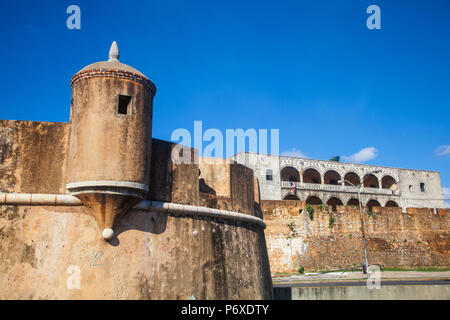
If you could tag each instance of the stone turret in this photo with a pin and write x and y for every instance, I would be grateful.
(110, 139)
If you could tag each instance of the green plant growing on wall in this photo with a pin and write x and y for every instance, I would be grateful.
(292, 232)
(301, 270)
(350, 236)
(331, 221)
(310, 210)
(370, 214)
(320, 207)
(327, 209)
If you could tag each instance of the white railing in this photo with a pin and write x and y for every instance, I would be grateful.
(336, 188)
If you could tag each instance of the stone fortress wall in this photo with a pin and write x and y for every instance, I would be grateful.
(417, 238)
(317, 182)
(149, 257)
(153, 255)
(98, 209)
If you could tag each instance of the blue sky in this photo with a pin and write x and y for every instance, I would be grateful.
(309, 68)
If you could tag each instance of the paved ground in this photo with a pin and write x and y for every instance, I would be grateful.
(394, 277)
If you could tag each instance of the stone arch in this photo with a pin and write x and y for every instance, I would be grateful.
(353, 202)
(313, 200)
(290, 174)
(387, 182)
(331, 177)
(311, 176)
(333, 202)
(371, 181)
(391, 204)
(372, 203)
(353, 178)
(291, 197)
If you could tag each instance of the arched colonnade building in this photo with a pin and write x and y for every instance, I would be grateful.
(335, 183)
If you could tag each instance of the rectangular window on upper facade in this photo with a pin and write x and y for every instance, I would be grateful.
(422, 187)
(269, 175)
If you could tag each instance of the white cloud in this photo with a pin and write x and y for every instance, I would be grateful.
(294, 153)
(443, 150)
(447, 197)
(363, 155)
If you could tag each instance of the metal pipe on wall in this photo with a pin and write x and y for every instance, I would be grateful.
(147, 205)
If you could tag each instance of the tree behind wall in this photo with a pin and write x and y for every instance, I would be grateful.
(336, 158)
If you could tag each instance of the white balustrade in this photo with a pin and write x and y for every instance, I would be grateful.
(336, 188)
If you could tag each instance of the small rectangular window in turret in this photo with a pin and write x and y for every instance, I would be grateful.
(124, 102)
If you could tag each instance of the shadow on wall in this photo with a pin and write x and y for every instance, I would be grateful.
(281, 293)
(145, 221)
(204, 188)
(156, 223)
(171, 182)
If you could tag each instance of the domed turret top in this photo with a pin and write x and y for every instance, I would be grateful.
(113, 63)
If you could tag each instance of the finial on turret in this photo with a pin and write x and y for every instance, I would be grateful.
(114, 52)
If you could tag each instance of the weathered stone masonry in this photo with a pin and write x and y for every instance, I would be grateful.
(417, 238)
